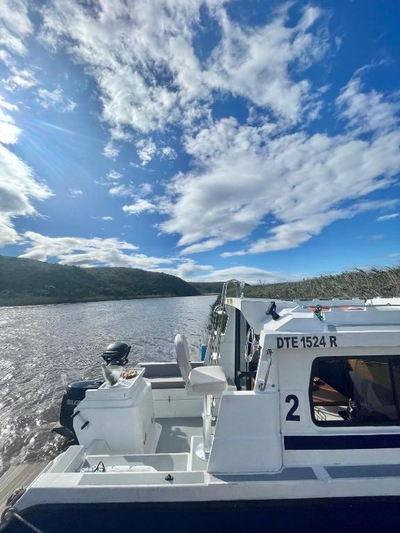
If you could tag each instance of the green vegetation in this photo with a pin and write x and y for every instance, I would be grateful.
(205, 287)
(27, 282)
(357, 283)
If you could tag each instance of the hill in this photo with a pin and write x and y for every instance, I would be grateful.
(27, 282)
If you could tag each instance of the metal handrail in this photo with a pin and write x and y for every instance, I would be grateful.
(215, 337)
(263, 385)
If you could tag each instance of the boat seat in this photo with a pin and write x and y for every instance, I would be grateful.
(207, 380)
(164, 375)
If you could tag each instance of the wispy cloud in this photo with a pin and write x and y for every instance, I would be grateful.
(140, 206)
(114, 175)
(19, 79)
(256, 62)
(189, 270)
(111, 151)
(88, 252)
(387, 217)
(136, 89)
(367, 111)
(9, 132)
(246, 176)
(146, 151)
(18, 186)
(18, 189)
(55, 100)
(15, 25)
(121, 190)
(75, 193)
(168, 153)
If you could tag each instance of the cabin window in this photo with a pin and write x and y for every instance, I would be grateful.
(355, 391)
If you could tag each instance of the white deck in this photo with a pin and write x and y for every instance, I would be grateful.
(176, 434)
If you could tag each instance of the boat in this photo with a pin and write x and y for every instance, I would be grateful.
(290, 423)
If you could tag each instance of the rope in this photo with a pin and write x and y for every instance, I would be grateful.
(10, 512)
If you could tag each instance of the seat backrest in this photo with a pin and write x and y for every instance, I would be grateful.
(182, 356)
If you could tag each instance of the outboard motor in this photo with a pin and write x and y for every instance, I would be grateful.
(116, 354)
(74, 394)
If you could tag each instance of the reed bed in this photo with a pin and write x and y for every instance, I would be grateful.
(351, 284)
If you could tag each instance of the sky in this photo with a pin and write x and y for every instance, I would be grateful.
(211, 140)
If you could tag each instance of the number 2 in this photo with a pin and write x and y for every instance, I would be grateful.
(291, 413)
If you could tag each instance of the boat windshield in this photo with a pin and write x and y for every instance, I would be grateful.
(355, 390)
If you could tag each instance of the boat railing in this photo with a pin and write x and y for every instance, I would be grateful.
(218, 322)
(263, 384)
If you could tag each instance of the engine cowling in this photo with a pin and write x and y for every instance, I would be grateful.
(73, 395)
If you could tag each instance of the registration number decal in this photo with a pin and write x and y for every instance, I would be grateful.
(307, 341)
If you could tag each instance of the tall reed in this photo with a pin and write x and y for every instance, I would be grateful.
(350, 284)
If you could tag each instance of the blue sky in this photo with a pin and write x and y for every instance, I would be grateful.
(207, 139)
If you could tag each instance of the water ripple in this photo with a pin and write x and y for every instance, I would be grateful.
(46, 347)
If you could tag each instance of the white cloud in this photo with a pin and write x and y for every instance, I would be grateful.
(110, 151)
(8, 106)
(140, 206)
(88, 252)
(9, 132)
(18, 190)
(15, 25)
(168, 153)
(55, 100)
(367, 111)
(106, 218)
(189, 270)
(18, 187)
(302, 183)
(258, 63)
(387, 217)
(145, 189)
(121, 190)
(164, 82)
(19, 79)
(75, 192)
(146, 151)
(114, 175)
(41, 247)
(251, 275)
(206, 245)
(8, 235)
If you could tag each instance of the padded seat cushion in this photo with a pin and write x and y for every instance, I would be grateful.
(166, 383)
(208, 380)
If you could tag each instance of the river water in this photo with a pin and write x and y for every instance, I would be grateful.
(44, 348)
